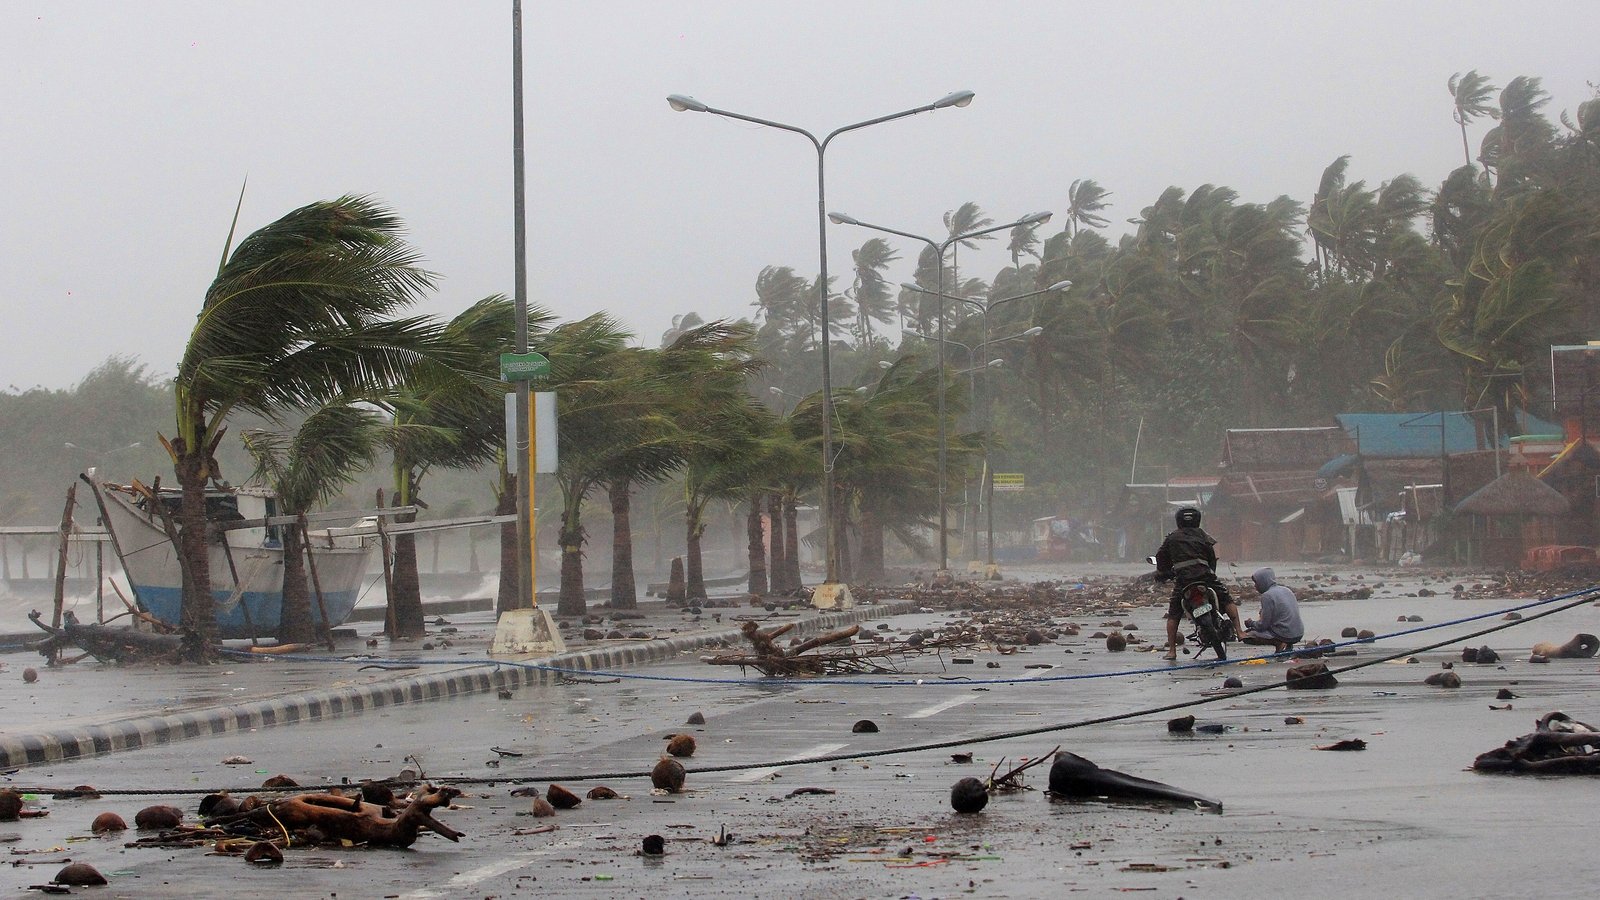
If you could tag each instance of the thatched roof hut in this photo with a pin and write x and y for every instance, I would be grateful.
(1515, 494)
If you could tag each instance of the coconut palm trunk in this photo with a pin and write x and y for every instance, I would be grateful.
(791, 543)
(871, 569)
(408, 618)
(624, 591)
(694, 572)
(295, 625)
(506, 504)
(198, 616)
(756, 547)
(778, 572)
(571, 602)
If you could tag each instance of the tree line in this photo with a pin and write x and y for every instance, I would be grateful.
(1212, 312)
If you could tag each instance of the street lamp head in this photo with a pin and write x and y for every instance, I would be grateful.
(1035, 331)
(1059, 286)
(908, 286)
(995, 363)
(685, 103)
(1038, 218)
(775, 390)
(885, 364)
(839, 218)
(958, 99)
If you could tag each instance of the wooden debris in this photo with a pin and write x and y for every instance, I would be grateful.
(808, 658)
(337, 819)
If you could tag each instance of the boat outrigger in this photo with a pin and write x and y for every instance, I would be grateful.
(246, 556)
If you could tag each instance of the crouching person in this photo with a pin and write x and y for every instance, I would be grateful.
(1279, 626)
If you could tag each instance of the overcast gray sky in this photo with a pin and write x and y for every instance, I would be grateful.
(129, 127)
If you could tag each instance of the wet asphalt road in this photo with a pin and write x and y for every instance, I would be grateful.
(1403, 818)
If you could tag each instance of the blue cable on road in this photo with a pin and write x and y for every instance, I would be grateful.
(961, 681)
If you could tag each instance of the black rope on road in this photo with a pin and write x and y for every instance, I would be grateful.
(866, 754)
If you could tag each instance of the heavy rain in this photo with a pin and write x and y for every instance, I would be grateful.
(850, 449)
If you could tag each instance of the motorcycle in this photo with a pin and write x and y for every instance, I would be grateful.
(1212, 627)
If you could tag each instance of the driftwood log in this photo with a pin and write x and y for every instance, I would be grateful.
(110, 644)
(1559, 745)
(334, 818)
(820, 656)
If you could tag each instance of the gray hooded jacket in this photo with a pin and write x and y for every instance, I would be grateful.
(1280, 614)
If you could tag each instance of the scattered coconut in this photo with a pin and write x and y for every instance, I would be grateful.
(160, 816)
(603, 793)
(79, 874)
(696, 718)
(1116, 643)
(1181, 725)
(865, 726)
(668, 776)
(278, 782)
(108, 822)
(29, 676)
(653, 845)
(561, 798)
(969, 796)
(10, 805)
(1443, 679)
(263, 853)
(542, 808)
(1232, 682)
(681, 745)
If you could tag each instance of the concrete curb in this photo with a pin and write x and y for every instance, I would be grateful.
(136, 732)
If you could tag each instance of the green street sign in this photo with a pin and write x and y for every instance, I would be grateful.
(523, 366)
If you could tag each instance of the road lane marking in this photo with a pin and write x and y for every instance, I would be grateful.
(954, 702)
(758, 774)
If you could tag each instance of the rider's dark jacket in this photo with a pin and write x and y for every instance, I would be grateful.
(1186, 555)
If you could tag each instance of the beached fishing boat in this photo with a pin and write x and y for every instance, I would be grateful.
(246, 557)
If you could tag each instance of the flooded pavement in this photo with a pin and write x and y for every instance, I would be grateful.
(1404, 817)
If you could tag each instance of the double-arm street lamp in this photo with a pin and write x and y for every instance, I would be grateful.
(982, 405)
(939, 248)
(958, 99)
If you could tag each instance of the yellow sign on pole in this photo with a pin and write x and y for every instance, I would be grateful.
(1008, 481)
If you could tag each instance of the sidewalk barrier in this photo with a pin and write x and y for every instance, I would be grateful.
(139, 731)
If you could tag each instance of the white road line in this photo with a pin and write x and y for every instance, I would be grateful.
(954, 702)
(937, 708)
(758, 774)
(481, 874)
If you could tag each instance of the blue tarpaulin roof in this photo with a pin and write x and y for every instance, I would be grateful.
(1409, 435)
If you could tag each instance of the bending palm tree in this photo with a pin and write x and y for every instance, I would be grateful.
(1472, 94)
(298, 314)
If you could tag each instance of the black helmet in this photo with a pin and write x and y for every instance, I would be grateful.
(1188, 517)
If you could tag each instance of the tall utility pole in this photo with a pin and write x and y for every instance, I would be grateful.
(526, 586)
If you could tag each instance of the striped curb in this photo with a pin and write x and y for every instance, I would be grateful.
(63, 744)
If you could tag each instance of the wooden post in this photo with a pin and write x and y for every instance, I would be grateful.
(389, 625)
(238, 590)
(61, 564)
(316, 583)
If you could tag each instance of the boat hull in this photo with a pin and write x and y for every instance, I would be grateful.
(247, 590)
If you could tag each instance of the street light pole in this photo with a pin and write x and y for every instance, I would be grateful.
(958, 99)
(986, 483)
(939, 247)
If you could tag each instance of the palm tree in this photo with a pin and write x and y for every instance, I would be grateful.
(1471, 95)
(1086, 199)
(308, 468)
(299, 314)
(725, 426)
(870, 291)
(586, 358)
(448, 418)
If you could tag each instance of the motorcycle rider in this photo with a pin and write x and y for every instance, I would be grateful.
(1188, 556)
